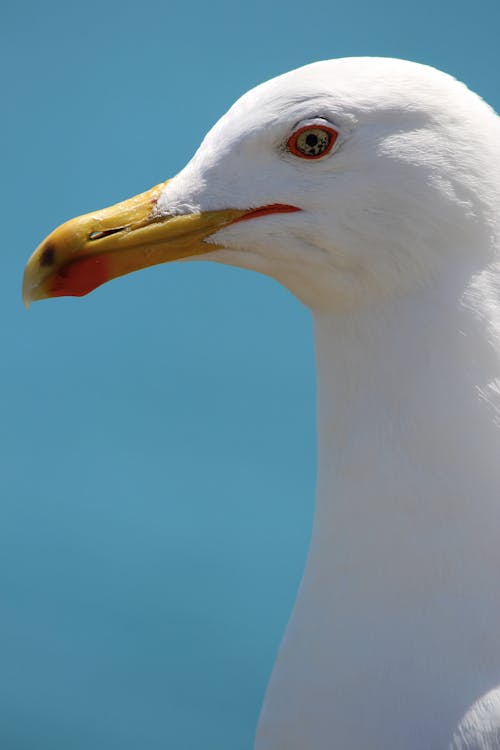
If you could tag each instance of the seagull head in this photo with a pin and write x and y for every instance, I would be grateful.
(345, 180)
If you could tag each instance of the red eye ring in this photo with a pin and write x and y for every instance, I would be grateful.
(298, 146)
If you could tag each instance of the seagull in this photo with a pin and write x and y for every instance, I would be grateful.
(370, 188)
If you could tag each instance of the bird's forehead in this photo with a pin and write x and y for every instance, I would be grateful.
(301, 92)
(345, 90)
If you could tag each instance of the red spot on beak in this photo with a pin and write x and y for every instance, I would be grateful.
(80, 277)
(272, 208)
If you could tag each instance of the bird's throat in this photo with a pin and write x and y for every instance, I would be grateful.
(396, 628)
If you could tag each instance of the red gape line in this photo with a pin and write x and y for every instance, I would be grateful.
(272, 208)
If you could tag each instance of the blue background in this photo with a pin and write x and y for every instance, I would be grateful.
(157, 438)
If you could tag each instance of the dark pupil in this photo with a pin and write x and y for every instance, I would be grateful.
(312, 139)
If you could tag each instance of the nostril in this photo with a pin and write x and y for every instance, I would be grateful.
(104, 233)
(48, 256)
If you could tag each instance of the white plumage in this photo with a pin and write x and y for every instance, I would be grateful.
(394, 642)
(395, 635)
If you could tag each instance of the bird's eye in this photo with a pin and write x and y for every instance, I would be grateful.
(312, 141)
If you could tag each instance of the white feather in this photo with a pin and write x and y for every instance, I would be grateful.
(394, 642)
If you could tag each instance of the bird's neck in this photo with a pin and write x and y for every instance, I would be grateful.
(396, 629)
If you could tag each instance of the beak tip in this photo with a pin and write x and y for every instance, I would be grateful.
(27, 288)
(26, 299)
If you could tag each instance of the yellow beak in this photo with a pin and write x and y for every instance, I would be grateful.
(85, 252)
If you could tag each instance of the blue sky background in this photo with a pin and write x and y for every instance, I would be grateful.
(157, 437)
